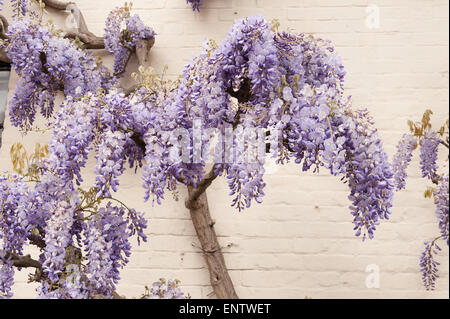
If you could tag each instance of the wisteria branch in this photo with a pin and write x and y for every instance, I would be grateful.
(90, 40)
(3, 28)
(201, 188)
(58, 5)
(24, 261)
(243, 95)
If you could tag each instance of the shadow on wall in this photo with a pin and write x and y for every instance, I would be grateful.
(4, 81)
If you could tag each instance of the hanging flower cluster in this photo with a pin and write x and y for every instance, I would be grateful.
(402, 159)
(288, 84)
(122, 34)
(423, 136)
(196, 4)
(19, 7)
(47, 63)
(70, 222)
(429, 266)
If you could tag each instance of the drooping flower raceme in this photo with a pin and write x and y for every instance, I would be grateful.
(6, 278)
(402, 159)
(429, 155)
(110, 164)
(17, 218)
(441, 198)
(58, 237)
(19, 8)
(122, 34)
(47, 63)
(429, 266)
(196, 4)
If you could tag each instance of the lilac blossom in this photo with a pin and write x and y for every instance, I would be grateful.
(19, 8)
(48, 63)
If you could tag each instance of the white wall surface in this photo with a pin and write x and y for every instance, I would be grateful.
(300, 241)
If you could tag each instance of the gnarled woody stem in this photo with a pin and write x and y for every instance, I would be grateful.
(197, 203)
(212, 252)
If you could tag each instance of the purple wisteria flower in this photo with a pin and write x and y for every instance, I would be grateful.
(6, 278)
(110, 162)
(429, 154)
(17, 218)
(196, 4)
(429, 141)
(429, 266)
(122, 34)
(165, 290)
(441, 199)
(402, 159)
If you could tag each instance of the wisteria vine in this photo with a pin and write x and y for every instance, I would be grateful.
(429, 141)
(261, 91)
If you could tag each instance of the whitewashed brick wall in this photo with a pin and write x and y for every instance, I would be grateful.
(300, 241)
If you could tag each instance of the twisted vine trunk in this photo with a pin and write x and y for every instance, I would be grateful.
(212, 252)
